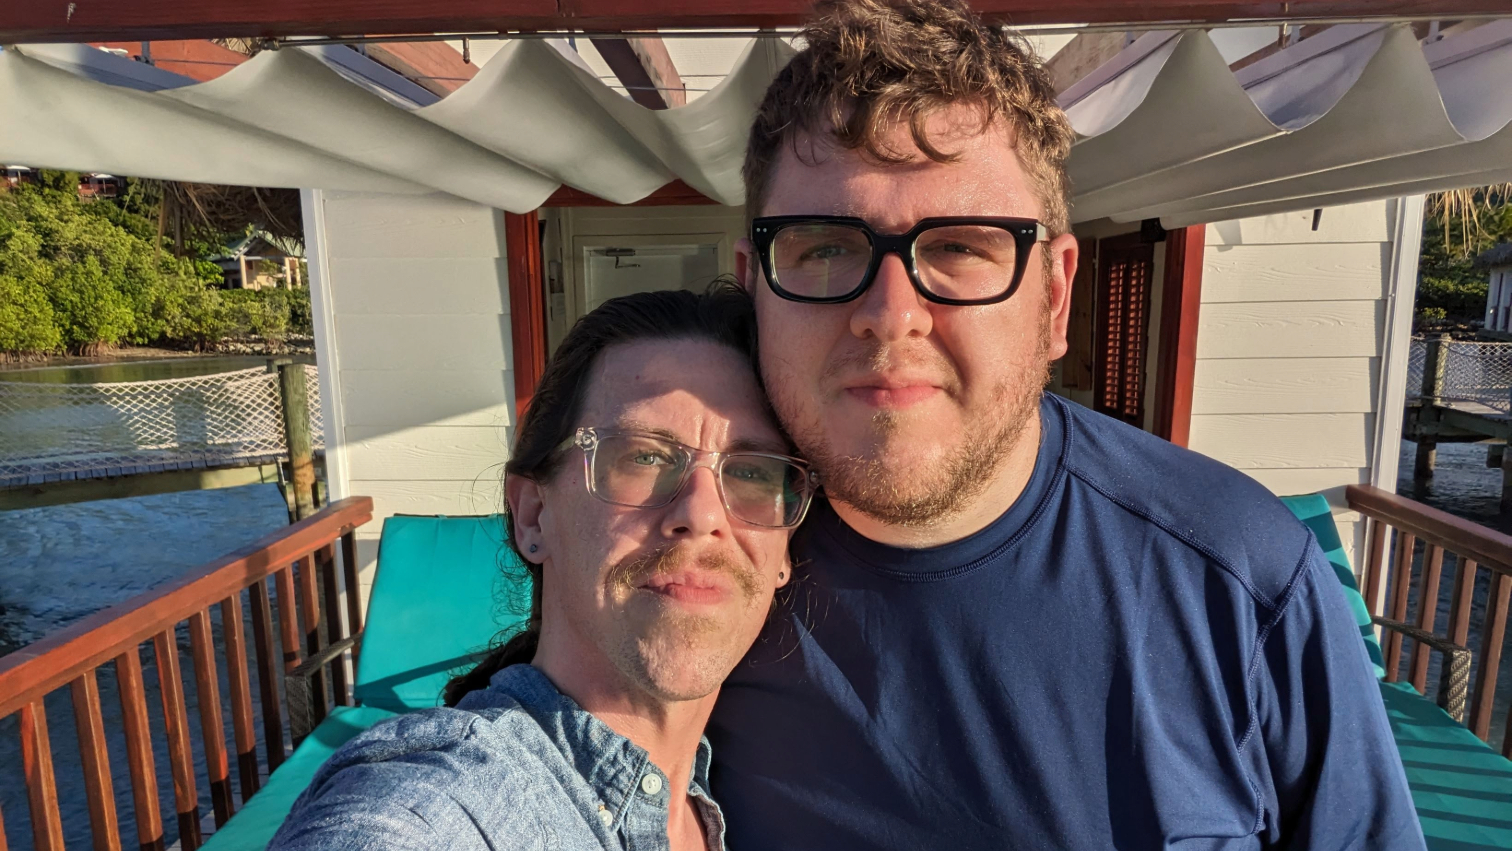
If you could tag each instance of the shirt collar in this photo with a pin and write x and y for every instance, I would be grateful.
(610, 763)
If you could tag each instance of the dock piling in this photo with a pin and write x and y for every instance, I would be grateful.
(1432, 393)
(296, 422)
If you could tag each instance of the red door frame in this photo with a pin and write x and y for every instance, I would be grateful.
(527, 303)
(1180, 307)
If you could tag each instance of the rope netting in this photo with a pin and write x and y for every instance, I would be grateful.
(1479, 373)
(208, 420)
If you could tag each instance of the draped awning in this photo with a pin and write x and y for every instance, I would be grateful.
(1165, 129)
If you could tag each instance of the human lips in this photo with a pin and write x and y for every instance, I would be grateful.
(881, 391)
(699, 587)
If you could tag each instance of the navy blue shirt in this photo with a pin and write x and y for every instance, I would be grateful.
(1146, 651)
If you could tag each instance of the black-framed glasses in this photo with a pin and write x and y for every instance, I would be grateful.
(957, 260)
(649, 471)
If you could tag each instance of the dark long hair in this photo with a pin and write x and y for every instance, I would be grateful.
(723, 315)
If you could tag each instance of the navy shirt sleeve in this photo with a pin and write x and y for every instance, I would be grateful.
(1336, 777)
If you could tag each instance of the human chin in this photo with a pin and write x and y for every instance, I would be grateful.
(678, 654)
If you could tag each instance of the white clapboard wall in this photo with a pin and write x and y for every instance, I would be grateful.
(418, 353)
(1290, 349)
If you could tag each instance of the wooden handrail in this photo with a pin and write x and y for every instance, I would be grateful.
(73, 656)
(1492, 549)
(59, 658)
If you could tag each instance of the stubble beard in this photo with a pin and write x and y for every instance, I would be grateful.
(876, 487)
(678, 655)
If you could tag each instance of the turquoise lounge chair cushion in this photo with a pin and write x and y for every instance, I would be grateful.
(441, 594)
(1461, 788)
(1313, 511)
(254, 824)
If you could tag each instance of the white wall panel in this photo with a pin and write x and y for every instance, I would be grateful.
(1369, 222)
(1257, 441)
(434, 343)
(437, 453)
(405, 398)
(415, 286)
(1285, 386)
(1316, 329)
(1319, 272)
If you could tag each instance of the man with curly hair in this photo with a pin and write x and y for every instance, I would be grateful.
(1014, 623)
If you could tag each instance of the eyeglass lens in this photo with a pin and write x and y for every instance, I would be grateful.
(643, 471)
(954, 261)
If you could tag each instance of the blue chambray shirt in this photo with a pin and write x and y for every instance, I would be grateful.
(518, 765)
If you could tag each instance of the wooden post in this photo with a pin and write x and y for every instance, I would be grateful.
(1432, 394)
(296, 418)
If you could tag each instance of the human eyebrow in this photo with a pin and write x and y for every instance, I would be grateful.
(643, 428)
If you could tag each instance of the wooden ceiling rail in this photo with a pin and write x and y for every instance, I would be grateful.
(646, 70)
(65, 20)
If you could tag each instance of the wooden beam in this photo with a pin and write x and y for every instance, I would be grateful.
(644, 67)
(434, 66)
(673, 194)
(527, 304)
(65, 20)
(1180, 306)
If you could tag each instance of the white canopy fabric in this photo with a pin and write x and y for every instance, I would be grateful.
(1165, 129)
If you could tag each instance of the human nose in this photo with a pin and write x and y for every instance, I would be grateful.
(891, 309)
(698, 509)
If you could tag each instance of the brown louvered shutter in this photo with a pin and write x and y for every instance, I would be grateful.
(1126, 269)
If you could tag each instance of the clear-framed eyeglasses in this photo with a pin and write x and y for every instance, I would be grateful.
(649, 471)
(955, 260)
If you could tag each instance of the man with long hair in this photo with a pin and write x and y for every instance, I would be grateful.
(1016, 623)
(651, 498)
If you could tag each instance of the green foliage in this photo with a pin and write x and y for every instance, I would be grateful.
(77, 276)
(26, 317)
(1448, 279)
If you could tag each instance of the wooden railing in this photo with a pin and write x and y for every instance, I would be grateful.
(300, 561)
(1397, 525)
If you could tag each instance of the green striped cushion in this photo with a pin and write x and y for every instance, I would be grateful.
(1313, 511)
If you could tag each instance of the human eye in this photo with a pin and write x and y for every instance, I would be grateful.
(753, 471)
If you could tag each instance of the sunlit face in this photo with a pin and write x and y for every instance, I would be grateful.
(907, 407)
(671, 597)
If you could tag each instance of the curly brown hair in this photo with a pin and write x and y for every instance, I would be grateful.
(869, 64)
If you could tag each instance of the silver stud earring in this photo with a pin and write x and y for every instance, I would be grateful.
(533, 547)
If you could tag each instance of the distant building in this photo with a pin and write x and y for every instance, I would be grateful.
(258, 260)
(15, 175)
(95, 186)
(1499, 293)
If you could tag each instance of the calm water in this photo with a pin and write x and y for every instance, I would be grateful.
(152, 369)
(59, 564)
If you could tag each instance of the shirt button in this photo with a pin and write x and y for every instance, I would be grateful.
(606, 817)
(651, 784)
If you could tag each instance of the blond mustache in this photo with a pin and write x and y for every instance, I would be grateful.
(633, 571)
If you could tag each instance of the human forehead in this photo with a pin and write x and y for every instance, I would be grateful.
(697, 392)
(986, 178)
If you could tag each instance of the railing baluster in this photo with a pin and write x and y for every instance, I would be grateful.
(241, 696)
(41, 785)
(267, 674)
(353, 589)
(212, 726)
(1375, 565)
(326, 558)
(1401, 583)
(144, 790)
(1492, 631)
(1428, 594)
(1459, 604)
(98, 790)
(288, 618)
(176, 723)
(310, 606)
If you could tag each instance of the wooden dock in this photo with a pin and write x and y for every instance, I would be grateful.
(1449, 410)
